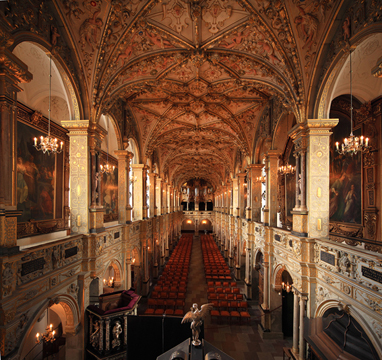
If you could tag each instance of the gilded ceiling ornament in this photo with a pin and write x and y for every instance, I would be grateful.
(178, 13)
(215, 13)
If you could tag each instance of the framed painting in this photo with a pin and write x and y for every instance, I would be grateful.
(110, 191)
(36, 177)
(40, 177)
(345, 178)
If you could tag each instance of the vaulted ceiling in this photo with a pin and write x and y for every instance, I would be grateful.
(202, 82)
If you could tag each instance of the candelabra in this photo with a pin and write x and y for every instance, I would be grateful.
(286, 286)
(352, 144)
(49, 144)
(261, 179)
(287, 169)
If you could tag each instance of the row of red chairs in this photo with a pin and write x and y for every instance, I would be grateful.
(229, 316)
(170, 292)
(224, 296)
(234, 305)
(220, 290)
(168, 295)
(221, 283)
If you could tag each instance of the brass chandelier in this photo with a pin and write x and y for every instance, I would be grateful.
(352, 144)
(49, 144)
(287, 170)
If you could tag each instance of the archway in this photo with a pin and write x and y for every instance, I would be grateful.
(64, 315)
(188, 226)
(111, 279)
(257, 278)
(205, 226)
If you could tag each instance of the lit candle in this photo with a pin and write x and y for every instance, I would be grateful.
(62, 144)
(35, 141)
(337, 145)
(346, 141)
(37, 336)
(53, 333)
(41, 139)
(51, 326)
(104, 281)
(367, 142)
(361, 140)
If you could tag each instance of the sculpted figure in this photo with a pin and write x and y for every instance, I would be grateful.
(196, 316)
(346, 28)
(307, 25)
(94, 337)
(117, 329)
(89, 31)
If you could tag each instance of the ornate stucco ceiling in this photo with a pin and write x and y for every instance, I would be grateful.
(196, 77)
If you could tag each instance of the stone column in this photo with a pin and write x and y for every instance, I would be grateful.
(153, 192)
(303, 177)
(158, 199)
(241, 180)
(254, 201)
(146, 275)
(313, 137)
(128, 275)
(235, 189)
(79, 174)
(272, 168)
(297, 177)
(144, 178)
(302, 347)
(248, 271)
(139, 189)
(164, 198)
(265, 304)
(168, 202)
(124, 208)
(295, 321)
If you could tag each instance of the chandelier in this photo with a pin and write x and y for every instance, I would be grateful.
(49, 144)
(287, 169)
(286, 286)
(352, 144)
(48, 336)
(261, 179)
(107, 169)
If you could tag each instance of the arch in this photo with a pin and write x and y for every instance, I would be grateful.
(133, 148)
(327, 91)
(116, 271)
(277, 275)
(115, 136)
(353, 312)
(65, 306)
(63, 84)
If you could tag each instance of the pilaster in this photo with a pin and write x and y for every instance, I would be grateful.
(124, 207)
(139, 196)
(272, 168)
(79, 175)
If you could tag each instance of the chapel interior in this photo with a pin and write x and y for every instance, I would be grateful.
(160, 153)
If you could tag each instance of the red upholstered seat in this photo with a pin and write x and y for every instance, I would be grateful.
(235, 314)
(245, 315)
(149, 312)
(159, 312)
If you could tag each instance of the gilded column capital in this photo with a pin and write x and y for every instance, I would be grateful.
(76, 127)
(124, 154)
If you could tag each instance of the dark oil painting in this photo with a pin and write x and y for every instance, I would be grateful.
(110, 192)
(35, 177)
(345, 178)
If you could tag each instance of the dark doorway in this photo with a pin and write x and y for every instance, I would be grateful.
(191, 206)
(287, 317)
(210, 206)
(184, 205)
(202, 206)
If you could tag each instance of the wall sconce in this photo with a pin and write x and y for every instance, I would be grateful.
(133, 261)
(189, 222)
(204, 222)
